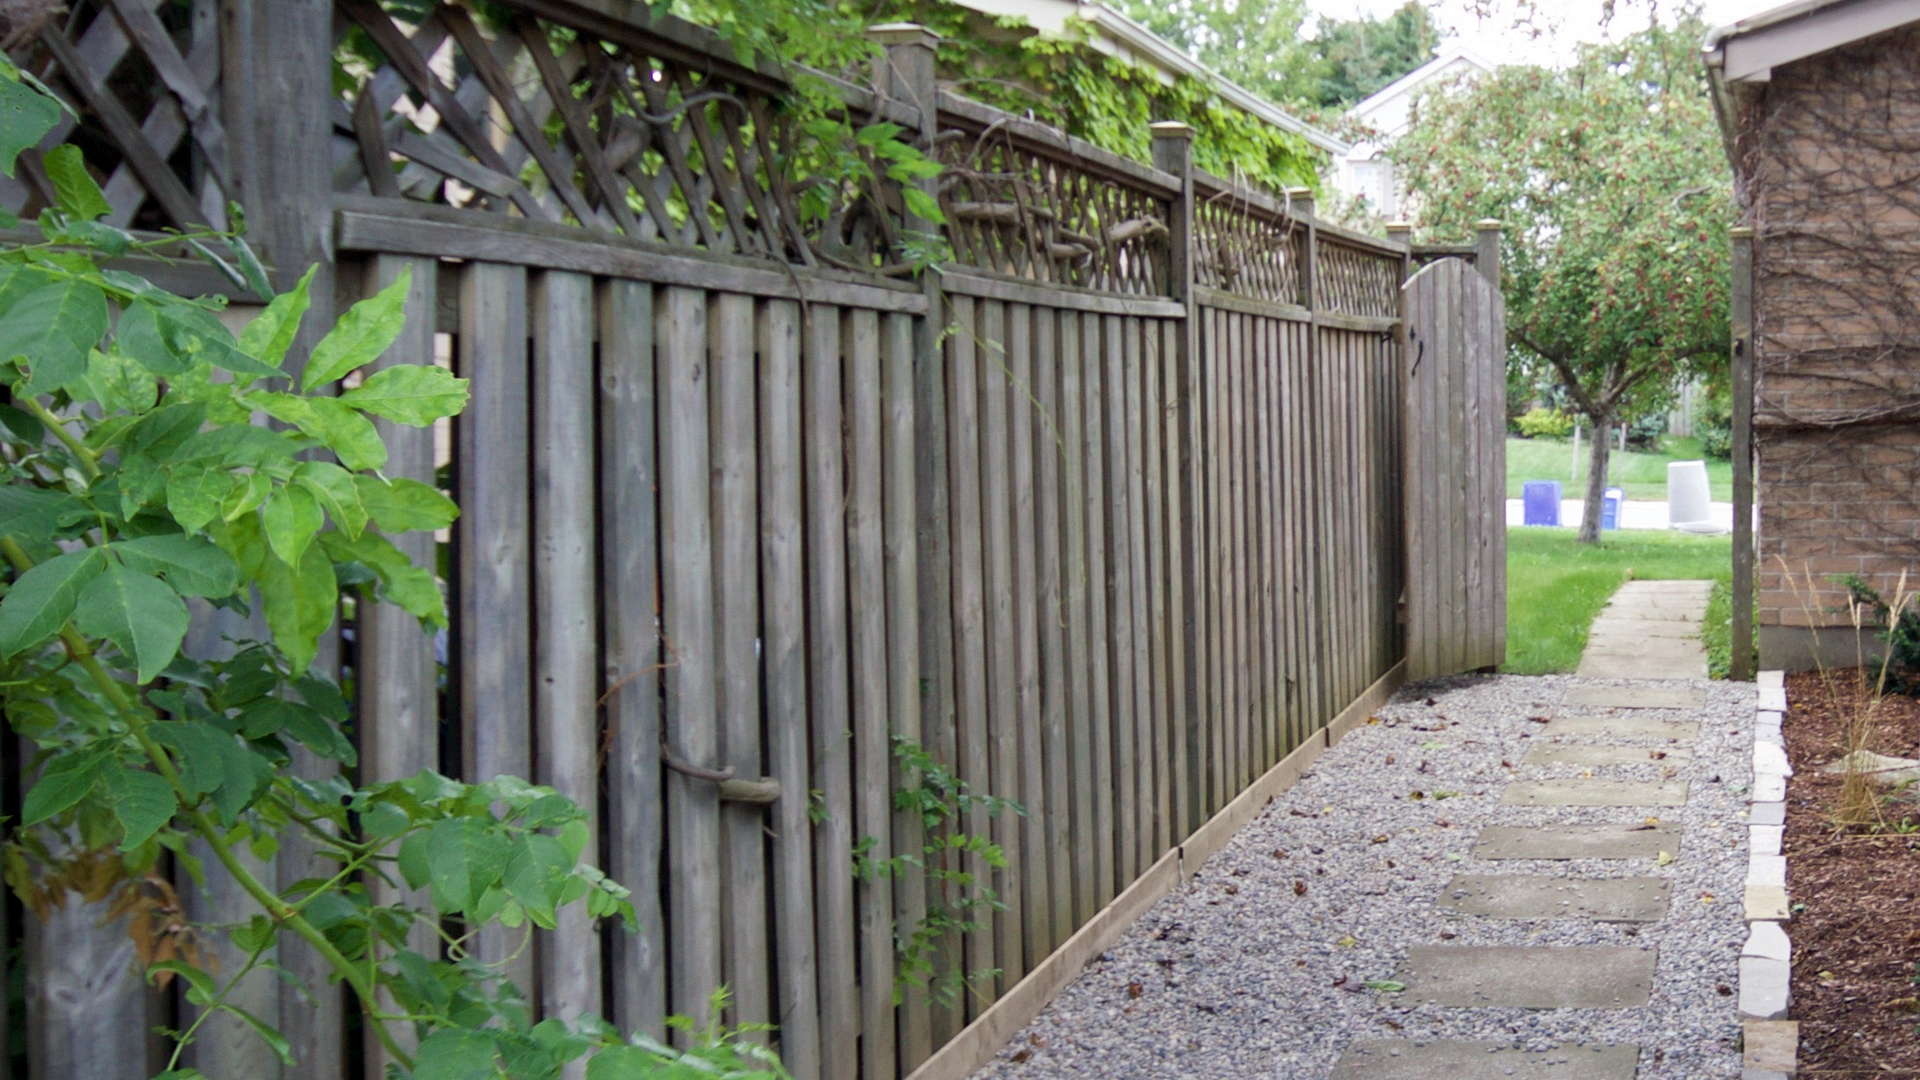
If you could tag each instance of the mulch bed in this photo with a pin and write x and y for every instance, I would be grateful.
(1856, 925)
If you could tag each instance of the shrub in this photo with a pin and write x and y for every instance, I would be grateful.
(1714, 424)
(1539, 423)
(1646, 432)
(1899, 624)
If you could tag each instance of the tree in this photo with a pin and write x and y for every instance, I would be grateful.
(1263, 46)
(1610, 180)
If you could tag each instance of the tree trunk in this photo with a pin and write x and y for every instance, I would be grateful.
(1596, 479)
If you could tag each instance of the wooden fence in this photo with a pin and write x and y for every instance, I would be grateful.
(1106, 514)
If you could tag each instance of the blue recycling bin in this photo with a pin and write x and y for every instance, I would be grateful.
(1540, 499)
(1610, 508)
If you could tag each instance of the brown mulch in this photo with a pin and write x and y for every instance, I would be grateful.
(1856, 924)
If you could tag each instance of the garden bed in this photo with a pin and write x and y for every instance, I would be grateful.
(1856, 894)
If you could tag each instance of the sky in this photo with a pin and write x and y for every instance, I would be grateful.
(1495, 39)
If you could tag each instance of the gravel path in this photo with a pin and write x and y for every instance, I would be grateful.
(1258, 967)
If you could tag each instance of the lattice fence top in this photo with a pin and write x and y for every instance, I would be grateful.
(517, 116)
(143, 77)
(1015, 206)
(1354, 280)
(1242, 248)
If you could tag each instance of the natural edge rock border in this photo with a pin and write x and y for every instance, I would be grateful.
(1771, 1041)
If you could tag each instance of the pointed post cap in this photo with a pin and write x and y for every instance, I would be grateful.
(1171, 129)
(902, 33)
(1301, 197)
(1488, 225)
(1399, 228)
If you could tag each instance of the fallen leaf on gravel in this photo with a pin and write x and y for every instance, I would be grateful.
(1231, 890)
(1299, 888)
(1382, 838)
(1540, 719)
(1341, 981)
(1653, 821)
(1037, 1041)
(1297, 812)
(1348, 942)
(1706, 898)
(1448, 935)
(1020, 1055)
(1443, 823)
(1724, 990)
(1373, 719)
(1657, 754)
(1665, 858)
(1432, 744)
(1431, 701)
(1417, 794)
(1134, 989)
(1389, 759)
(1445, 794)
(1506, 764)
(1279, 853)
(1386, 986)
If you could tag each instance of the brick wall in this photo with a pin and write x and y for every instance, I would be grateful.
(1829, 155)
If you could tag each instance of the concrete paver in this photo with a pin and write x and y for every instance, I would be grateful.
(1670, 611)
(1576, 841)
(1410, 1059)
(1523, 977)
(1528, 896)
(1600, 756)
(1585, 792)
(1637, 727)
(1634, 697)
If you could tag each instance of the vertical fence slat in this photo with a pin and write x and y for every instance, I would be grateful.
(494, 551)
(1138, 661)
(1161, 632)
(1100, 704)
(1073, 569)
(783, 573)
(687, 627)
(996, 530)
(1037, 937)
(1050, 496)
(629, 553)
(1126, 756)
(565, 631)
(872, 754)
(900, 554)
(734, 494)
(970, 651)
(827, 665)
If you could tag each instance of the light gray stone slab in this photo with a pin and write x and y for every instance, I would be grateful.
(1576, 841)
(1584, 977)
(1766, 902)
(1772, 680)
(1526, 896)
(1419, 1059)
(1767, 870)
(1767, 941)
(1773, 699)
(1772, 812)
(1770, 760)
(1769, 788)
(1642, 628)
(1585, 792)
(1632, 663)
(1764, 990)
(1770, 1045)
(1594, 754)
(1635, 697)
(1764, 839)
(1687, 613)
(1635, 726)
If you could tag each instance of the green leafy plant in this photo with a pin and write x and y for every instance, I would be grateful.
(957, 864)
(1539, 423)
(138, 484)
(1898, 626)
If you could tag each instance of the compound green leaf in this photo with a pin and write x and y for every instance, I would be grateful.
(361, 335)
(292, 516)
(336, 492)
(52, 328)
(120, 384)
(535, 875)
(464, 859)
(138, 613)
(30, 515)
(412, 394)
(143, 801)
(403, 504)
(194, 494)
(414, 589)
(299, 604)
(455, 1055)
(193, 565)
(74, 190)
(195, 332)
(25, 118)
(66, 782)
(138, 335)
(272, 331)
(43, 598)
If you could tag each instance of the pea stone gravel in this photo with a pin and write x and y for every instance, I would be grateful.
(1259, 966)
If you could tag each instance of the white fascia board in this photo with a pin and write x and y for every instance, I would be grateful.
(1748, 50)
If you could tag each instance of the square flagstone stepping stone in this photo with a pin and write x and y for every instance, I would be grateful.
(1447, 1059)
(1585, 792)
(1522, 896)
(1635, 697)
(1576, 841)
(1589, 754)
(1517, 976)
(1634, 726)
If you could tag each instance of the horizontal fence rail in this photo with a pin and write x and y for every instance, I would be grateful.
(1104, 516)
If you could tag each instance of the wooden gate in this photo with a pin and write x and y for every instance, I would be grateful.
(1454, 365)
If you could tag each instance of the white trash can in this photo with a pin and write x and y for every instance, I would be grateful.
(1689, 499)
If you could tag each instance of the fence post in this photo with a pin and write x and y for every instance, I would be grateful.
(907, 73)
(1317, 682)
(1401, 232)
(1741, 312)
(1173, 153)
(1486, 250)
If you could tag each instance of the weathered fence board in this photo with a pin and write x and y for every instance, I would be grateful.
(1455, 541)
(1105, 520)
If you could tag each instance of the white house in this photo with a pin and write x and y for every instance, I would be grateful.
(1364, 172)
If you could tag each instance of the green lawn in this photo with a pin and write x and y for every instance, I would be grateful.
(1642, 476)
(1556, 585)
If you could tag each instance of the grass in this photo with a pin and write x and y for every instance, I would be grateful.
(1556, 585)
(1640, 475)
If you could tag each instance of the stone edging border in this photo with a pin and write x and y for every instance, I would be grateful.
(1770, 1040)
